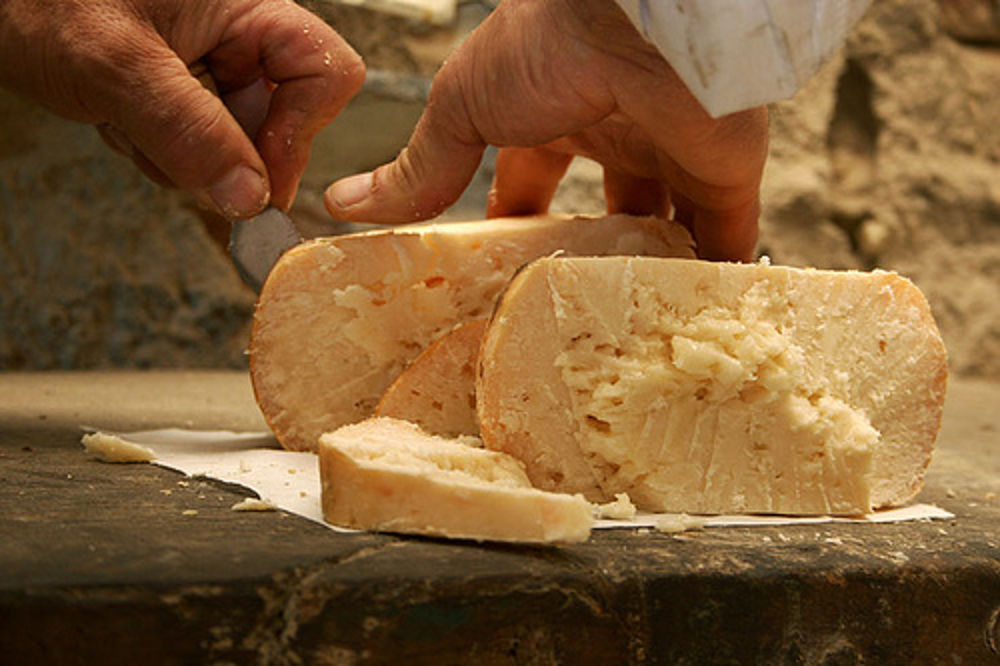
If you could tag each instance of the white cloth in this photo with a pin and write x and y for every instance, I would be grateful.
(737, 54)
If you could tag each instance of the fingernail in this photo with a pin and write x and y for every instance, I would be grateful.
(242, 192)
(351, 191)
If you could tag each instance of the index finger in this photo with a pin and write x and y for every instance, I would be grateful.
(315, 73)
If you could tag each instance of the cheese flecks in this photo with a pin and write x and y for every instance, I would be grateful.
(714, 388)
(388, 475)
(437, 390)
(339, 318)
(114, 449)
(620, 509)
(679, 522)
(253, 504)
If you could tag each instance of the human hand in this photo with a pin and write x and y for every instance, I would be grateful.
(280, 72)
(550, 79)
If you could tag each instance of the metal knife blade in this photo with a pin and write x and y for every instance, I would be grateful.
(256, 244)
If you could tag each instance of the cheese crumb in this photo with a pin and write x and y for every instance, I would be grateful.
(679, 522)
(253, 504)
(620, 509)
(113, 449)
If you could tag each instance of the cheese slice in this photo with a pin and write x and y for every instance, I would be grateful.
(388, 475)
(339, 318)
(437, 391)
(714, 388)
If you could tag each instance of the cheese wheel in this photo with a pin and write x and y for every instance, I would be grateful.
(714, 388)
(339, 318)
(388, 475)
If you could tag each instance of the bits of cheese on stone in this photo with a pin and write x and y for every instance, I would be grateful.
(714, 388)
(339, 318)
(620, 509)
(114, 449)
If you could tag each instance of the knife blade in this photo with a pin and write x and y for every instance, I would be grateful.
(256, 244)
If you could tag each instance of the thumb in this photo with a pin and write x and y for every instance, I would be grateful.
(429, 174)
(186, 132)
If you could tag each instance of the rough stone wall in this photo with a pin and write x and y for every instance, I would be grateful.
(891, 158)
(98, 266)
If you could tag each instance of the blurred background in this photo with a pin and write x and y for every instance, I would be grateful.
(890, 158)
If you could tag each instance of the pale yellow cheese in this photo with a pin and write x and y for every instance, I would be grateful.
(714, 388)
(672, 523)
(437, 390)
(386, 474)
(620, 509)
(339, 318)
(114, 449)
(253, 504)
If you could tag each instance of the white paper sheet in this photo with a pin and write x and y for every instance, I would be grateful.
(290, 480)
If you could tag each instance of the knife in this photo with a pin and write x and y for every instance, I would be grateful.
(256, 244)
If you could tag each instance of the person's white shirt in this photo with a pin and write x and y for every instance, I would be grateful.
(738, 54)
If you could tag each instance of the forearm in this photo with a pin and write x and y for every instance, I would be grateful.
(734, 55)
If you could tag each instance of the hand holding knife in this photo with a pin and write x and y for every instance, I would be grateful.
(256, 243)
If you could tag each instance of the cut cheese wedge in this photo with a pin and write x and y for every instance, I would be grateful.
(714, 388)
(388, 475)
(438, 390)
(339, 318)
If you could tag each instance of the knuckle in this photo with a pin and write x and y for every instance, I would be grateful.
(406, 172)
(451, 108)
(352, 71)
(178, 141)
(407, 183)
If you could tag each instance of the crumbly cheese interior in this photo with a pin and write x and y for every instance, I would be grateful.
(405, 448)
(714, 388)
(720, 399)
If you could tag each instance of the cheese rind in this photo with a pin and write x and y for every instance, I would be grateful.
(387, 475)
(339, 318)
(714, 388)
(437, 390)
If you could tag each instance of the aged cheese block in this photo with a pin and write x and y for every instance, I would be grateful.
(339, 318)
(437, 391)
(714, 388)
(387, 475)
